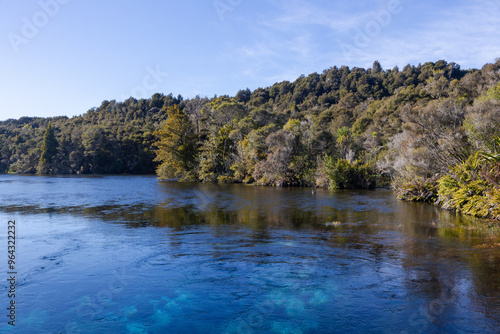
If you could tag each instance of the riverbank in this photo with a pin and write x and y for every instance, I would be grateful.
(469, 188)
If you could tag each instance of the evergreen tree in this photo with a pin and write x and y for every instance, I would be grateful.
(49, 151)
(177, 151)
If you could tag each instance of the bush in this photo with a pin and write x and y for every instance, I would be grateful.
(417, 190)
(466, 189)
(343, 174)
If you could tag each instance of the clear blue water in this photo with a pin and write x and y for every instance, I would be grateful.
(129, 254)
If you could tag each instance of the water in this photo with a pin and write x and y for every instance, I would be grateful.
(129, 254)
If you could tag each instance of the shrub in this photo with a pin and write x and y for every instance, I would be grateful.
(343, 174)
(466, 189)
(418, 189)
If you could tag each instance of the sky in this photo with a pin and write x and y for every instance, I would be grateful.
(64, 57)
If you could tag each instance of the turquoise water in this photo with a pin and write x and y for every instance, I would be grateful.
(129, 254)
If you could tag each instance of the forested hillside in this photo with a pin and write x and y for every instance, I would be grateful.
(112, 139)
(431, 129)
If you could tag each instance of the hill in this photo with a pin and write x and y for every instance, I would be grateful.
(345, 127)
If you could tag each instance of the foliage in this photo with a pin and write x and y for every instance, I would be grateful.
(467, 189)
(494, 92)
(344, 137)
(216, 155)
(410, 125)
(177, 150)
(49, 151)
(343, 174)
(418, 189)
(492, 157)
(482, 123)
(115, 138)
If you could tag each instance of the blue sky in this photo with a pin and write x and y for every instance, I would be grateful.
(63, 57)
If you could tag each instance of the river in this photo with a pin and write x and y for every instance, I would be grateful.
(130, 254)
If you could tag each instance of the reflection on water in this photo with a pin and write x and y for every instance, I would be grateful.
(129, 254)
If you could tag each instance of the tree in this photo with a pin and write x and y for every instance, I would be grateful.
(216, 156)
(376, 68)
(438, 133)
(218, 150)
(344, 137)
(275, 170)
(283, 164)
(482, 123)
(99, 151)
(49, 152)
(244, 95)
(177, 151)
(194, 109)
(249, 151)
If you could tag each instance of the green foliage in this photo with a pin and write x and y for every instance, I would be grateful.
(417, 189)
(409, 125)
(343, 174)
(49, 151)
(293, 126)
(495, 156)
(467, 190)
(494, 92)
(177, 150)
(482, 123)
(216, 154)
(114, 138)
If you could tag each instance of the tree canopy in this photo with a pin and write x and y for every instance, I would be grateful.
(49, 152)
(177, 148)
(411, 126)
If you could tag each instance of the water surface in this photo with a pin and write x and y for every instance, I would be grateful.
(129, 254)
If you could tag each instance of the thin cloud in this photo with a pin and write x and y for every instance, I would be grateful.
(467, 35)
(296, 14)
(258, 50)
(301, 38)
(275, 55)
(464, 33)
